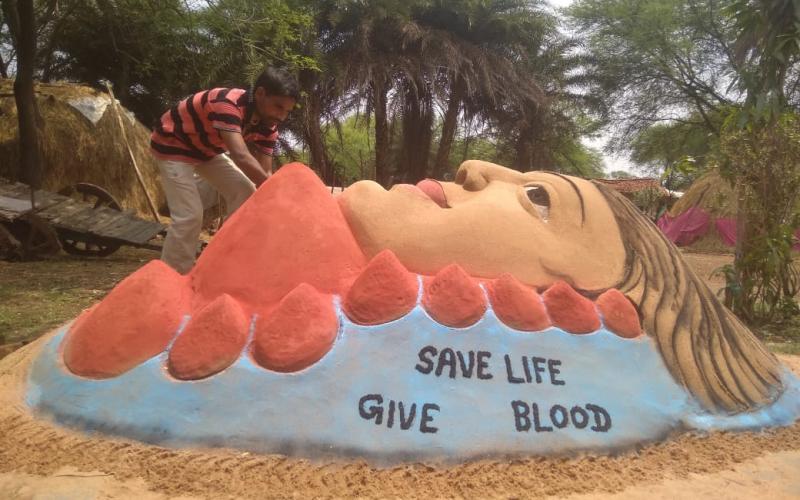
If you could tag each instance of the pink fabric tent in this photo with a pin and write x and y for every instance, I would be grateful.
(689, 226)
(727, 230)
(686, 228)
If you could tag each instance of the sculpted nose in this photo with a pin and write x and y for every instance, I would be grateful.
(471, 176)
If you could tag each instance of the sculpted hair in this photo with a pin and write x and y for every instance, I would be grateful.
(705, 346)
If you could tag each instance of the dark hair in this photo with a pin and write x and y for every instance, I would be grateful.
(705, 347)
(278, 82)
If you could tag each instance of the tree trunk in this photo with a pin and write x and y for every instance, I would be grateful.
(312, 128)
(442, 164)
(417, 132)
(3, 71)
(523, 151)
(123, 84)
(740, 251)
(316, 141)
(381, 131)
(21, 16)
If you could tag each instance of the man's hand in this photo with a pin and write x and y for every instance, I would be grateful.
(240, 155)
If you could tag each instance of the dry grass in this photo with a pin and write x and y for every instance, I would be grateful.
(709, 192)
(75, 150)
(37, 296)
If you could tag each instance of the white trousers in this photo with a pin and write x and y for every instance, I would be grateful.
(189, 189)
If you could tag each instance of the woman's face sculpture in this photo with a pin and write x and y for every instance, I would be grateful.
(538, 226)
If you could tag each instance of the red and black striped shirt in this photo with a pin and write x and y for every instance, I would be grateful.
(189, 131)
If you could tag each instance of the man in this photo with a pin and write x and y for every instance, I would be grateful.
(192, 140)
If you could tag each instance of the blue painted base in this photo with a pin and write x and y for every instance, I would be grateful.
(406, 390)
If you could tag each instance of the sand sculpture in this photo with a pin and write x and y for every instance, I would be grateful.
(501, 314)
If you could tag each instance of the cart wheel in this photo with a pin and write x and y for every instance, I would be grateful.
(98, 197)
(40, 237)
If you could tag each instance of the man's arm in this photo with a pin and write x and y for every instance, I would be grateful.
(265, 161)
(241, 156)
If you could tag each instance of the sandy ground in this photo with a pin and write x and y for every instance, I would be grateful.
(39, 460)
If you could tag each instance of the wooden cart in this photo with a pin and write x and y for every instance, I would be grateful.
(83, 219)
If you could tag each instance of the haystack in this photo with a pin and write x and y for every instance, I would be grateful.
(83, 145)
(703, 219)
(710, 192)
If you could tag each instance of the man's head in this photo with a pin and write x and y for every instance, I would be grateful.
(275, 93)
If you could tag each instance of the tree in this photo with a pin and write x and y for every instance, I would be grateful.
(760, 152)
(728, 69)
(350, 146)
(679, 151)
(156, 53)
(21, 20)
(659, 60)
(767, 48)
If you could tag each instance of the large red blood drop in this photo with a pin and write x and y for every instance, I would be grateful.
(136, 321)
(290, 231)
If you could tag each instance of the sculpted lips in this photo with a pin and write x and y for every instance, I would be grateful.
(428, 189)
(434, 191)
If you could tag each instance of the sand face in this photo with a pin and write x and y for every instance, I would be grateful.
(77, 466)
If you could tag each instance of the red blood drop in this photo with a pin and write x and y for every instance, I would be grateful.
(136, 321)
(453, 298)
(297, 333)
(517, 305)
(569, 310)
(619, 315)
(211, 342)
(383, 292)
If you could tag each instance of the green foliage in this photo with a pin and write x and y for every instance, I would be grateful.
(351, 150)
(156, 52)
(241, 37)
(767, 46)
(764, 165)
(148, 49)
(574, 158)
(650, 201)
(681, 173)
(657, 60)
(677, 152)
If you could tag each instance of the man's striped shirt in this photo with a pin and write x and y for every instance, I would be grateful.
(189, 131)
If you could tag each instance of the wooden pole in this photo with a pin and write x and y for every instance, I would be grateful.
(130, 153)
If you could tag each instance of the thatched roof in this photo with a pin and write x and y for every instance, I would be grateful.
(629, 186)
(710, 192)
(75, 149)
